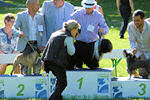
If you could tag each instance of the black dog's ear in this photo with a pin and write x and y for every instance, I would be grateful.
(106, 46)
(125, 53)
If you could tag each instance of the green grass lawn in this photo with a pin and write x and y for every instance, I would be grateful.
(113, 20)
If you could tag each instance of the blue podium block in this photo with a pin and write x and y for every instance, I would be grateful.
(18, 86)
(85, 84)
(133, 88)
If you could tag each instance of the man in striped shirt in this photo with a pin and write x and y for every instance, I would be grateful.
(92, 23)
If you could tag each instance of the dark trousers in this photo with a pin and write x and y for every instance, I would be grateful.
(125, 12)
(60, 74)
(84, 54)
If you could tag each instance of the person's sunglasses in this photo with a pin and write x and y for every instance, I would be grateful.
(79, 31)
(9, 18)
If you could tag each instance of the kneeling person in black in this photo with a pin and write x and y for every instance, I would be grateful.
(57, 53)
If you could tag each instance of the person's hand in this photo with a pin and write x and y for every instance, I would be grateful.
(22, 35)
(134, 51)
(118, 12)
(41, 48)
(1, 52)
(16, 52)
(101, 31)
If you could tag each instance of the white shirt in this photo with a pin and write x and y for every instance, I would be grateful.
(138, 40)
(54, 16)
(32, 28)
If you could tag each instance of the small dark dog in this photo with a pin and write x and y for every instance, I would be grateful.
(26, 60)
(134, 63)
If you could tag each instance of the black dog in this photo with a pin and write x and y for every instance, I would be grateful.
(134, 63)
(90, 56)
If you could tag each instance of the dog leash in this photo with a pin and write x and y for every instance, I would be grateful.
(96, 44)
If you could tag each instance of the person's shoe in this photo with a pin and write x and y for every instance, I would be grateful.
(79, 66)
(121, 37)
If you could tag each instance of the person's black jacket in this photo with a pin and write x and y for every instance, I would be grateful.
(55, 51)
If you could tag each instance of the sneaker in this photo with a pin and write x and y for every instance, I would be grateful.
(121, 37)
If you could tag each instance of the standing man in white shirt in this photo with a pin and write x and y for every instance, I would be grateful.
(55, 13)
(33, 26)
(139, 38)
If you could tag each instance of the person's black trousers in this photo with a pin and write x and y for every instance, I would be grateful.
(61, 82)
(125, 14)
(84, 54)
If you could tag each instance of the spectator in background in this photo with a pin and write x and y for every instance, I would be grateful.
(147, 19)
(33, 26)
(139, 38)
(98, 8)
(8, 40)
(124, 8)
(56, 56)
(91, 23)
(55, 13)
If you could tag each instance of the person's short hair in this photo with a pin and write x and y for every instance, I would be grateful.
(29, 2)
(71, 24)
(9, 16)
(139, 12)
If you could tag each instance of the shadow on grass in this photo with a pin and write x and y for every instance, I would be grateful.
(14, 10)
